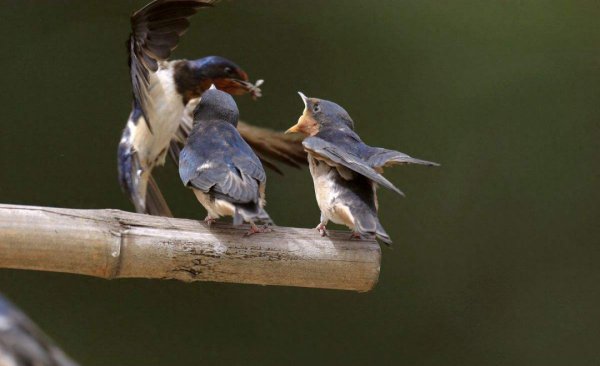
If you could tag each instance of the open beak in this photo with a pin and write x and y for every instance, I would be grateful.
(306, 123)
(304, 99)
(297, 126)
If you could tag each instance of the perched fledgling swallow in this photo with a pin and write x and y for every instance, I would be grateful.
(345, 170)
(221, 168)
(22, 343)
(164, 95)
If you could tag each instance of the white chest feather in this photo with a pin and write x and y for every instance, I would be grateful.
(327, 193)
(324, 184)
(165, 110)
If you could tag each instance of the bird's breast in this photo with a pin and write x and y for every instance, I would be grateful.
(333, 193)
(325, 185)
(165, 111)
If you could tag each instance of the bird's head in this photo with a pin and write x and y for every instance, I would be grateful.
(194, 77)
(319, 114)
(216, 105)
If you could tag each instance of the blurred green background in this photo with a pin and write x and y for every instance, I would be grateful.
(496, 253)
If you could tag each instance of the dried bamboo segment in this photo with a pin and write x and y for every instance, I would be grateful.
(117, 244)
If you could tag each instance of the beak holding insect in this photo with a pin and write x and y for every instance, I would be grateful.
(239, 87)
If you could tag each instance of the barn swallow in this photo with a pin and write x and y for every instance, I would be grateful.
(22, 343)
(164, 95)
(345, 170)
(220, 167)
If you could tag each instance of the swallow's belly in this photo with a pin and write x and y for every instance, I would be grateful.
(327, 191)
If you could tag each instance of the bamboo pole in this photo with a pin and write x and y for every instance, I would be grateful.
(116, 244)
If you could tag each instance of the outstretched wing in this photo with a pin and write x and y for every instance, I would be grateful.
(270, 146)
(155, 32)
(223, 164)
(337, 156)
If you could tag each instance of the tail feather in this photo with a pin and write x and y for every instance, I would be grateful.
(251, 212)
(367, 224)
(264, 217)
(382, 235)
(155, 202)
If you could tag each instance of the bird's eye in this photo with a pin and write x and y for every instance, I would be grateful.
(316, 108)
(228, 70)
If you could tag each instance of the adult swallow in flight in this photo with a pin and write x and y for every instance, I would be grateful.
(23, 343)
(345, 170)
(164, 95)
(220, 167)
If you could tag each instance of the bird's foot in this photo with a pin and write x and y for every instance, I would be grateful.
(255, 230)
(209, 221)
(322, 229)
(355, 236)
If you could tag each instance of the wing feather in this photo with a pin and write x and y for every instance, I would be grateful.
(227, 168)
(379, 158)
(334, 156)
(156, 29)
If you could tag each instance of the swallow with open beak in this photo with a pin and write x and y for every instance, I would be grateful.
(220, 167)
(345, 170)
(164, 96)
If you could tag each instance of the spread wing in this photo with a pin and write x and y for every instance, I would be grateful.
(272, 145)
(155, 32)
(337, 156)
(222, 164)
(269, 145)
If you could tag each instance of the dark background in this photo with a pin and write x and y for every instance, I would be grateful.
(496, 253)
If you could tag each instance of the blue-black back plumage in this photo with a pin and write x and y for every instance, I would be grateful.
(217, 161)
